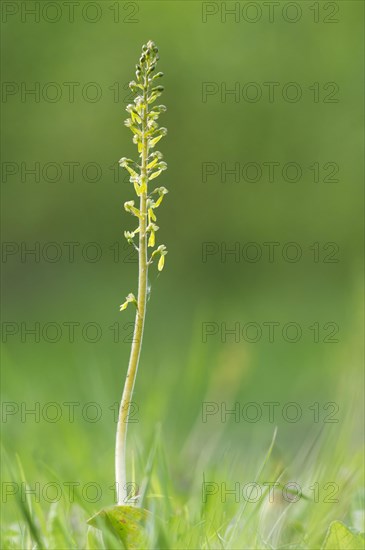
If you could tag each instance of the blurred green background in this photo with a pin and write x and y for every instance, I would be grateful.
(178, 371)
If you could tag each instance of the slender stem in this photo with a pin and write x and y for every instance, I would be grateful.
(121, 439)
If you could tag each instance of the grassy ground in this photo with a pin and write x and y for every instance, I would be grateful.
(190, 519)
(207, 483)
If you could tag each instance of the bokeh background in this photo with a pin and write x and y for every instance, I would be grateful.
(178, 369)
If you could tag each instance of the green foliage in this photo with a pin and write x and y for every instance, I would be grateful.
(126, 522)
(178, 518)
(339, 537)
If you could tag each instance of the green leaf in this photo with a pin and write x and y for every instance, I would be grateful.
(126, 522)
(339, 537)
